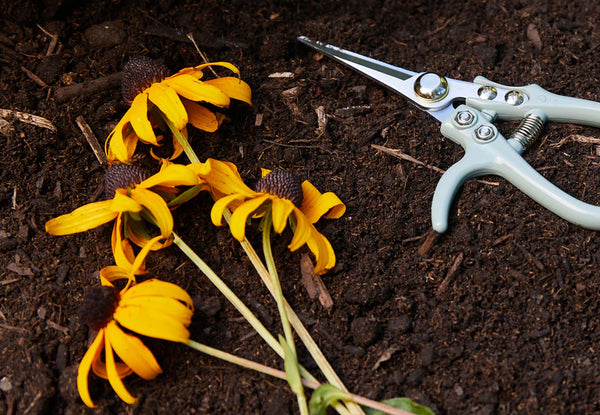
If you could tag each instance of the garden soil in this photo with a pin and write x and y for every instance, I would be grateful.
(499, 315)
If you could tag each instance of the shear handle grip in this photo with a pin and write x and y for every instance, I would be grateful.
(558, 108)
(497, 156)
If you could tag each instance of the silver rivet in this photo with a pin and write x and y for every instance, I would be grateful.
(514, 98)
(487, 92)
(464, 118)
(485, 133)
(431, 87)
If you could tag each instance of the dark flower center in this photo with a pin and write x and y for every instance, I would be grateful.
(122, 176)
(138, 74)
(98, 306)
(283, 184)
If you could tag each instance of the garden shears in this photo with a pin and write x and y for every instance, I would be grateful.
(466, 111)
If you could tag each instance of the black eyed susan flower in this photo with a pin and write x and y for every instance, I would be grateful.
(151, 308)
(157, 99)
(134, 199)
(288, 200)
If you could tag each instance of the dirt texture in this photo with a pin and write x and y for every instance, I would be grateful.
(500, 315)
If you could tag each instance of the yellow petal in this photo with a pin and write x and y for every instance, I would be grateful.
(154, 287)
(99, 368)
(280, 210)
(241, 213)
(233, 87)
(158, 317)
(225, 179)
(120, 144)
(122, 250)
(202, 118)
(112, 372)
(113, 273)
(170, 176)
(190, 88)
(92, 354)
(302, 232)
(133, 352)
(227, 65)
(157, 207)
(323, 251)
(138, 117)
(315, 204)
(82, 219)
(121, 202)
(168, 102)
(216, 213)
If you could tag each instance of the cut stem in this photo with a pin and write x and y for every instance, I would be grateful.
(249, 364)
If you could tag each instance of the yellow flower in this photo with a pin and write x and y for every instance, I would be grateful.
(132, 202)
(288, 200)
(156, 98)
(151, 308)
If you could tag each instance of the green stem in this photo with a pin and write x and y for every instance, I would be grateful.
(280, 300)
(183, 142)
(267, 370)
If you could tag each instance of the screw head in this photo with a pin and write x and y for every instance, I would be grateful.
(487, 92)
(485, 133)
(514, 98)
(465, 118)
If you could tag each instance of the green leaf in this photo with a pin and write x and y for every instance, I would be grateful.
(290, 363)
(406, 404)
(187, 195)
(323, 397)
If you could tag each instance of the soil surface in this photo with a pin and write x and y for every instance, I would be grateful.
(500, 315)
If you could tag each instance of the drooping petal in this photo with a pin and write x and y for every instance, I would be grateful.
(157, 207)
(227, 65)
(133, 352)
(121, 202)
(122, 250)
(113, 374)
(120, 144)
(99, 368)
(143, 316)
(170, 176)
(202, 118)
(281, 210)
(154, 287)
(169, 103)
(113, 273)
(225, 179)
(216, 213)
(82, 219)
(302, 232)
(138, 264)
(241, 213)
(138, 117)
(315, 204)
(233, 87)
(190, 88)
(323, 251)
(92, 354)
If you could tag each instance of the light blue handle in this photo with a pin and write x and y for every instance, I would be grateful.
(501, 157)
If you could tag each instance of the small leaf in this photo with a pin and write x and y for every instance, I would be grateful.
(290, 363)
(187, 195)
(323, 397)
(406, 404)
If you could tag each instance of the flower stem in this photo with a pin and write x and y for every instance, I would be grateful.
(183, 142)
(249, 364)
(287, 329)
(303, 334)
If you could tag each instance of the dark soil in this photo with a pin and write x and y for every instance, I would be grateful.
(497, 316)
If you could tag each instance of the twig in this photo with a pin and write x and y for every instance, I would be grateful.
(53, 40)
(34, 77)
(190, 36)
(399, 154)
(28, 119)
(66, 93)
(444, 285)
(92, 140)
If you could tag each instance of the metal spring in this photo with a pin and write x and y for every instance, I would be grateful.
(528, 130)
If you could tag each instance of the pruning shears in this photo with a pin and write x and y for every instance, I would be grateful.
(466, 111)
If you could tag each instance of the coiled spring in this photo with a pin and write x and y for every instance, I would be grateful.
(528, 130)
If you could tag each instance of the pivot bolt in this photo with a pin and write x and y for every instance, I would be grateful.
(431, 87)
(485, 133)
(464, 118)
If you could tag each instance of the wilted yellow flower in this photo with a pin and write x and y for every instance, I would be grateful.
(288, 200)
(151, 308)
(157, 98)
(133, 200)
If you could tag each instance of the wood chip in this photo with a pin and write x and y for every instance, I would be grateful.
(92, 140)
(313, 283)
(28, 119)
(387, 355)
(281, 75)
(428, 242)
(534, 36)
(321, 120)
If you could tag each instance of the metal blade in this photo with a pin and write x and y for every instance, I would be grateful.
(388, 75)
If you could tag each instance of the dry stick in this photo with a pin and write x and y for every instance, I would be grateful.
(28, 119)
(92, 140)
(304, 335)
(66, 93)
(190, 36)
